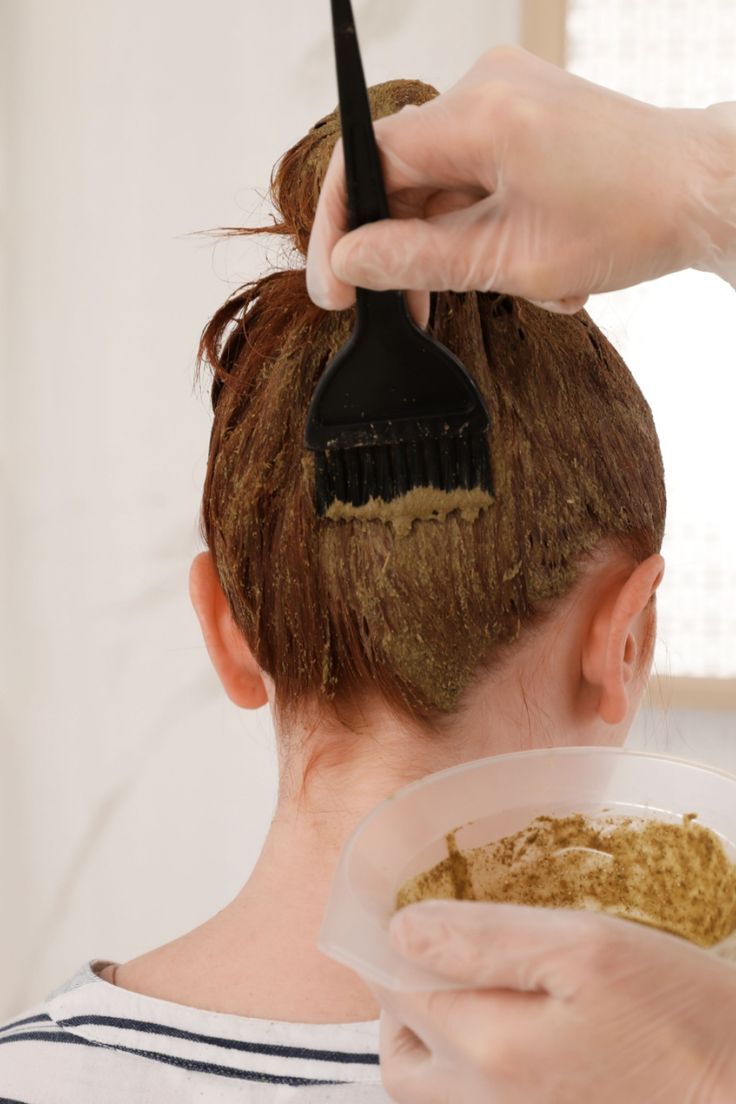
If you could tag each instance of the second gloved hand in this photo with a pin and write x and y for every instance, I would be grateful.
(566, 1007)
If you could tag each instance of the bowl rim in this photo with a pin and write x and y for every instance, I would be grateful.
(472, 764)
(332, 940)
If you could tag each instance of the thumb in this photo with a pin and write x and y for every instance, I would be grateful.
(497, 945)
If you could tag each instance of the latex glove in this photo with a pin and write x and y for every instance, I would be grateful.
(525, 179)
(579, 1008)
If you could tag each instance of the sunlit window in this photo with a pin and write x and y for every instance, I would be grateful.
(678, 334)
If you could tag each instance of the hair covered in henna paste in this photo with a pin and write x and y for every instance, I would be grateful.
(332, 608)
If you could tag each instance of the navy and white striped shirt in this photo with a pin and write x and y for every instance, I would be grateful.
(91, 1042)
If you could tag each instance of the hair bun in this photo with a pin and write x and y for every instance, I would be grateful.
(297, 178)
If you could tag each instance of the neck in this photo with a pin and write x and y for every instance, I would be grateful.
(267, 936)
(258, 956)
(261, 952)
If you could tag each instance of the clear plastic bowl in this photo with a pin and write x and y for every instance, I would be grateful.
(487, 799)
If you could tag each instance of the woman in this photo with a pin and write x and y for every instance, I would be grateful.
(384, 651)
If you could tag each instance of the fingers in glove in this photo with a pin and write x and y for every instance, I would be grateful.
(411, 1073)
(482, 1030)
(421, 148)
(520, 947)
(451, 251)
(465, 248)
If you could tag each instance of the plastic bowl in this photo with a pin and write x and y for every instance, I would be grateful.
(487, 799)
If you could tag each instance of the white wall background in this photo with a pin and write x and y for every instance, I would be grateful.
(133, 795)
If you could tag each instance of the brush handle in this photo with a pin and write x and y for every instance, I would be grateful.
(366, 193)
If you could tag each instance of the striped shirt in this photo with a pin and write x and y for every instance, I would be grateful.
(91, 1042)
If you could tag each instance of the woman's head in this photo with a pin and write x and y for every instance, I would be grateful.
(335, 610)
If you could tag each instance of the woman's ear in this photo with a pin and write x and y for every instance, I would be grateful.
(617, 646)
(231, 657)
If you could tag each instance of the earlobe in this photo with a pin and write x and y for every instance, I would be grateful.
(231, 657)
(617, 645)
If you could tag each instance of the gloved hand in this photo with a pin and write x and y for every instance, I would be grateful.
(525, 179)
(577, 1007)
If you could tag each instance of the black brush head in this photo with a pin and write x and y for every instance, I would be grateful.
(394, 410)
(447, 462)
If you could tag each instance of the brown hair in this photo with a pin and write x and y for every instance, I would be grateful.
(331, 608)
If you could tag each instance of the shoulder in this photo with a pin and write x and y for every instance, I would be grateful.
(107, 973)
(42, 1058)
(91, 1041)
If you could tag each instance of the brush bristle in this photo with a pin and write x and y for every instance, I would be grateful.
(356, 475)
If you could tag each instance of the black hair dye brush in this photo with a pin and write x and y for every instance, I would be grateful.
(394, 409)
